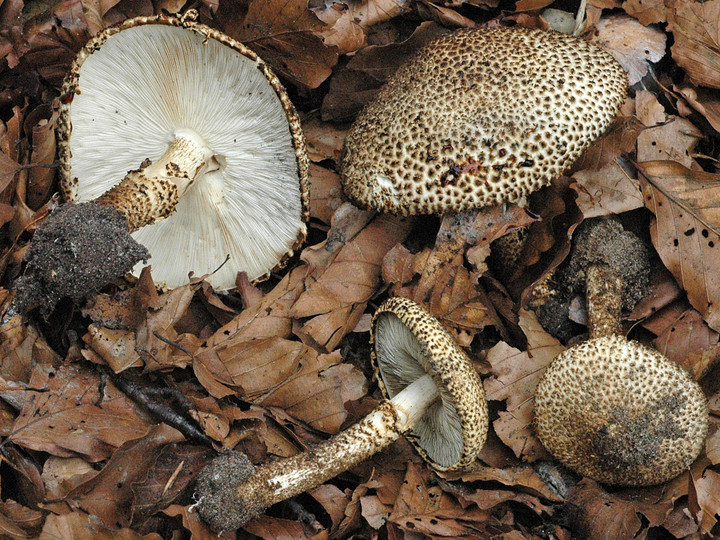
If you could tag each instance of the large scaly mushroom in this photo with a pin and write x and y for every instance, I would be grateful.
(216, 155)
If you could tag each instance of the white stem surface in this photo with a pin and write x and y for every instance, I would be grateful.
(275, 482)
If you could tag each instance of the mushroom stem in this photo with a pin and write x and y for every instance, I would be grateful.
(150, 193)
(603, 297)
(282, 479)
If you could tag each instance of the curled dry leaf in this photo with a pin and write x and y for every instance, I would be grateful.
(704, 101)
(696, 29)
(81, 525)
(633, 45)
(335, 296)
(686, 230)
(515, 375)
(424, 508)
(704, 502)
(18, 522)
(648, 109)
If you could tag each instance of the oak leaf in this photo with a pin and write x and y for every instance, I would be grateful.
(686, 230)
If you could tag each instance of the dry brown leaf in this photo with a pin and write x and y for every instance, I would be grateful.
(696, 28)
(424, 508)
(704, 101)
(275, 372)
(515, 375)
(336, 295)
(646, 11)
(686, 230)
(190, 520)
(287, 35)
(272, 527)
(42, 156)
(444, 16)
(109, 494)
(633, 45)
(324, 140)
(81, 525)
(94, 11)
(152, 340)
(326, 193)
(673, 141)
(347, 21)
(705, 502)
(175, 468)
(600, 515)
(333, 501)
(72, 413)
(619, 139)
(684, 337)
(648, 109)
(17, 521)
(609, 190)
(61, 475)
(518, 476)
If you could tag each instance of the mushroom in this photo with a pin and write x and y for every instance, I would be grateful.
(480, 117)
(435, 398)
(610, 408)
(217, 159)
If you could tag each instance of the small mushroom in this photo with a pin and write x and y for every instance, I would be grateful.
(435, 399)
(610, 408)
(214, 147)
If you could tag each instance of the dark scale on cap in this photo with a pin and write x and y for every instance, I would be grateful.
(514, 108)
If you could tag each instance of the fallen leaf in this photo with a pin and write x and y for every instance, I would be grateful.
(633, 45)
(515, 375)
(686, 230)
(696, 29)
(609, 190)
(18, 521)
(707, 489)
(646, 11)
(280, 373)
(704, 101)
(648, 109)
(685, 338)
(68, 411)
(109, 494)
(674, 140)
(287, 35)
(81, 525)
(347, 22)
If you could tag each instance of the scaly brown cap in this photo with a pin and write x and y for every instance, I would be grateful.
(620, 413)
(407, 343)
(480, 117)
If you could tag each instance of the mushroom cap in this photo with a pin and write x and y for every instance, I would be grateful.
(133, 88)
(408, 342)
(479, 117)
(620, 413)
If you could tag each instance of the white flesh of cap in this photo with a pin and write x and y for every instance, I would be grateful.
(149, 84)
(401, 360)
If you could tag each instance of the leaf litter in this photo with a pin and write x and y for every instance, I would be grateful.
(275, 367)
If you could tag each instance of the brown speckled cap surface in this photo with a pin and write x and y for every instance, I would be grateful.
(453, 430)
(620, 413)
(480, 117)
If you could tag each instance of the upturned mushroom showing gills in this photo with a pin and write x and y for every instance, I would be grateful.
(480, 117)
(435, 398)
(214, 147)
(610, 408)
